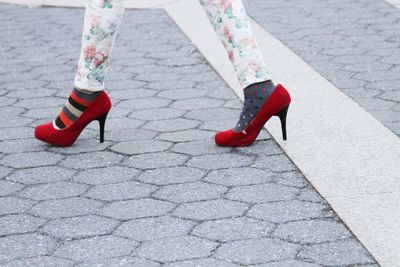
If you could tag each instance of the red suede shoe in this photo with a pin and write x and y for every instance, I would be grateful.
(276, 105)
(98, 110)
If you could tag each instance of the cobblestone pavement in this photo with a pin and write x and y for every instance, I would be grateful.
(158, 190)
(355, 44)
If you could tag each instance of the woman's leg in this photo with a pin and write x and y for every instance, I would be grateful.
(102, 20)
(232, 25)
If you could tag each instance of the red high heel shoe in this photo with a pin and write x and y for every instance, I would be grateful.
(276, 105)
(98, 110)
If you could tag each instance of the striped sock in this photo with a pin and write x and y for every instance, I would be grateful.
(76, 104)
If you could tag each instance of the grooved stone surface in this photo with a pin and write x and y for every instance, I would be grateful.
(158, 191)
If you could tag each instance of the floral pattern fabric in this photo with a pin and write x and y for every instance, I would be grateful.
(228, 17)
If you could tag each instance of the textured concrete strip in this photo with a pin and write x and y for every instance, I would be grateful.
(396, 3)
(323, 124)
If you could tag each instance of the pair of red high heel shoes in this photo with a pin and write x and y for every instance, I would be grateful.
(276, 105)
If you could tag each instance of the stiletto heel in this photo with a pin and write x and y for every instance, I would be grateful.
(282, 116)
(102, 122)
(98, 110)
(276, 105)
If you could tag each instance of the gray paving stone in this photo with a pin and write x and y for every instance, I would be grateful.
(140, 146)
(275, 163)
(344, 252)
(20, 145)
(11, 205)
(255, 251)
(211, 209)
(4, 171)
(197, 103)
(156, 114)
(53, 191)
(82, 146)
(266, 148)
(131, 93)
(156, 160)
(109, 175)
(171, 125)
(154, 228)
(233, 229)
(220, 161)
(124, 261)
(140, 208)
(202, 263)
(120, 191)
(28, 245)
(170, 85)
(101, 247)
(189, 192)
(68, 207)
(30, 159)
(91, 160)
(179, 94)
(19, 224)
(262, 193)
(194, 148)
(214, 114)
(315, 231)
(41, 261)
(176, 248)
(7, 132)
(9, 188)
(309, 194)
(292, 179)
(187, 135)
(239, 176)
(288, 263)
(173, 175)
(129, 135)
(79, 227)
(145, 103)
(114, 125)
(280, 212)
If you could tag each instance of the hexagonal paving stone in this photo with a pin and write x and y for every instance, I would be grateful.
(156, 114)
(173, 175)
(154, 228)
(187, 135)
(21, 145)
(121, 261)
(8, 188)
(214, 114)
(284, 211)
(19, 224)
(91, 160)
(4, 171)
(140, 146)
(289, 263)
(175, 248)
(156, 160)
(79, 227)
(189, 192)
(256, 251)
(131, 93)
(344, 252)
(27, 245)
(82, 146)
(41, 175)
(195, 148)
(211, 209)
(315, 231)
(202, 262)
(239, 176)
(275, 163)
(96, 248)
(53, 191)
(220, 161)
(197, 103)
(144, 103)
(293, 179)
(68, 207)
(309, 194)
(233, 229)
(264, 147)
(109, 175)
(31, 159)
(130, 209)
(40, 261)
(178, 94)
(10, 205)
(170, 85)
(262, 193)
(130, 135)
(120, 191)
(171, 125)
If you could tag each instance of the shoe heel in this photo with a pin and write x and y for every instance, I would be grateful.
(102, 122)
(282, 116)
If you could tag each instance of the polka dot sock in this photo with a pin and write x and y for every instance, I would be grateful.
(255, 96)
(76, 104)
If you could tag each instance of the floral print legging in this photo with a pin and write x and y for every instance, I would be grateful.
(228, 17)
